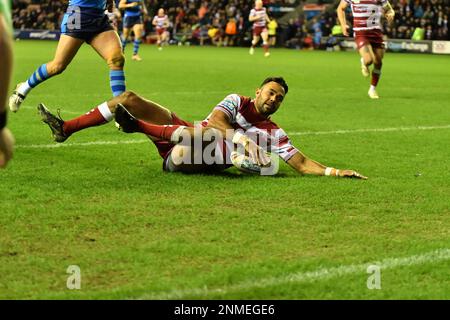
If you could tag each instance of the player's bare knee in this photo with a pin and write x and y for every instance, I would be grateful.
(368, 60)
(116, 61)
(128, 97)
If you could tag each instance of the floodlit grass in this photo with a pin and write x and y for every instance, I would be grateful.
(137, 232)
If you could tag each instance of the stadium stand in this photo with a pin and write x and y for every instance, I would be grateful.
(201, 22)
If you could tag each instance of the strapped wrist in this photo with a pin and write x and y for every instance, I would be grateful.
(329, 171)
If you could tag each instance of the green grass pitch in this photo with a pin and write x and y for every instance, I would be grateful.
(102, 202)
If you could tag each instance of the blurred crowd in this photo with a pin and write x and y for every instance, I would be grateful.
(226, 22)
(33, 14)
(420, 20)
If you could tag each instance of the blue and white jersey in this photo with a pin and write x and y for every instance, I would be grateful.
(97, 4)
(134, 11)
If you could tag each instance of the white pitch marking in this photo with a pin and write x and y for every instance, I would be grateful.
(305, 133)
(304, 277)
(62, 111)
(80, 144)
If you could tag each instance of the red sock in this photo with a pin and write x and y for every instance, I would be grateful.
(376, 73)
(95, 117)
(158, 131)
(266, 48)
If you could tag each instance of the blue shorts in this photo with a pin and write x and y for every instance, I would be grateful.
(84, 23)
(130, 21)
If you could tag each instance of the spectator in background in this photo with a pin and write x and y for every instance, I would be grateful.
(317, 30)
(215, 34)
(333, 44)
(272, 27)
(308, 42)
(203, 10)
(419, 34)
(230, 32)
(46, 14)
(429, 33)
(418, 10)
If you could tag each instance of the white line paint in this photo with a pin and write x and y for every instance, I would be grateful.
(81, 144)
(304, 277)
(305, 133)
(62, 111)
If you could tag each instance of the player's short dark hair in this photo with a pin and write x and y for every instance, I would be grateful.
(278, 80)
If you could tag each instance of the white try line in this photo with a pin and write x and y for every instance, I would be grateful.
(305, 133)
(304, 277)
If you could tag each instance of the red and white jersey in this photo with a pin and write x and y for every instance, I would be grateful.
(367, 14)
(161, 22)
(262, 17)
(243, 115)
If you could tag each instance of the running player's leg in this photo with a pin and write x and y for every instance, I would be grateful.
(265, 39)
(124, 38)
(138, 30)
(164, 37)
(376, 71)
(108, 46)
(254, 43)
(65, 52)
(366, 54)
(158, 41)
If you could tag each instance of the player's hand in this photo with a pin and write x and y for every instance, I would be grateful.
(345, 31)
(390, 16)
(6, 146)
(257, 154)
(351, 174)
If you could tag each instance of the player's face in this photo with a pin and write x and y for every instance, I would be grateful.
(161, 12)
(268, 98)
(258, 4)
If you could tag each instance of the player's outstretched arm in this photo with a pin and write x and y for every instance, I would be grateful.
(219, 120)
(304, 165)
(389, 12)
(341, 17)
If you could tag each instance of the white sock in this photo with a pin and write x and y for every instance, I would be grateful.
(24, 88)
(372, 87)
(106, 113)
